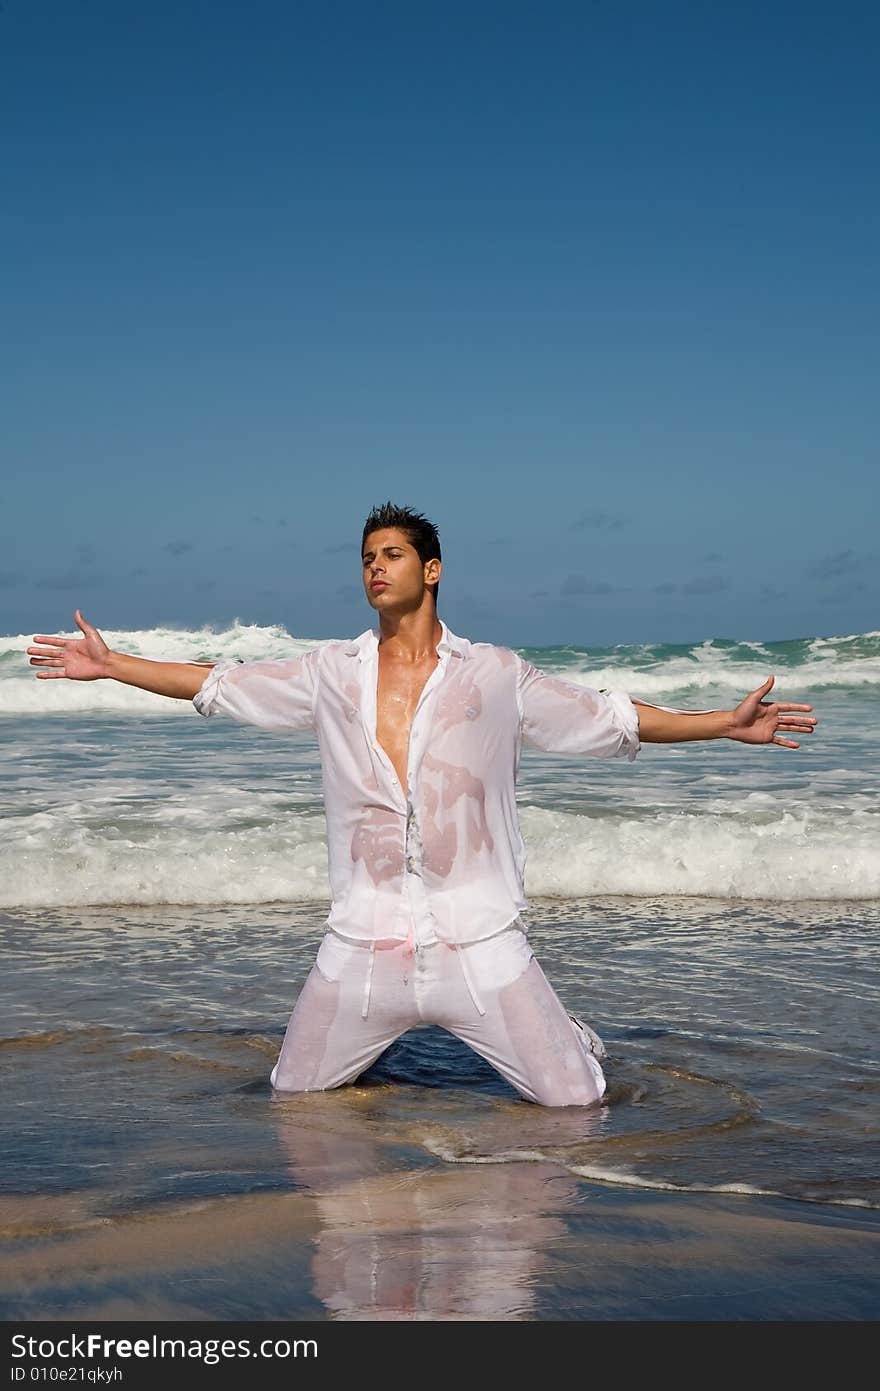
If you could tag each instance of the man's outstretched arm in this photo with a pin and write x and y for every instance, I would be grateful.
(90, 659)
(752, 722)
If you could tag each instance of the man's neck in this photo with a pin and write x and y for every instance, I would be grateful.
(412, 636)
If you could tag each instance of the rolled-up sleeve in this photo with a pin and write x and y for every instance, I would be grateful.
(273, 695)
(562, 717)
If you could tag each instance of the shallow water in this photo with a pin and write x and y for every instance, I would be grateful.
(135, 1086)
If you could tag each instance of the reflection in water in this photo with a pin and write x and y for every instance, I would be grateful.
(407, 1243)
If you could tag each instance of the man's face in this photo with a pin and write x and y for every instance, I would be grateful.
(394, 576)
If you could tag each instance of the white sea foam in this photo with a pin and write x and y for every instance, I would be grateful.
(719, 682)
(21, 693)
(707, 672)
(225, 845)
(625, 1178)
(140, 821)
(62, 858)
(246, 640)
(734, 852)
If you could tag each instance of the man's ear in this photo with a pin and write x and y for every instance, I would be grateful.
(432, 571)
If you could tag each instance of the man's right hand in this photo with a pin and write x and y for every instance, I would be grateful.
(79, 659)
(89, 659)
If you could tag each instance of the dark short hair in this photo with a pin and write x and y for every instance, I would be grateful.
(421, 534)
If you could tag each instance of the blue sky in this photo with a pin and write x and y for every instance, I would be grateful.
(594, 285)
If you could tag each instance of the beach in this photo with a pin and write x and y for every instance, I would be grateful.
(713, 912)
(156, 1175)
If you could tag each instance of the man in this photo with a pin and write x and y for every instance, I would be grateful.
(420, 734)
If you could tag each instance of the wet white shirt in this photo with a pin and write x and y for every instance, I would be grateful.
(444, 855)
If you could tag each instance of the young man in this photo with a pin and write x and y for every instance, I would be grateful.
(420, 734)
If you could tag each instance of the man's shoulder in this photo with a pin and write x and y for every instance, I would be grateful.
(490, 654)
(335, 653)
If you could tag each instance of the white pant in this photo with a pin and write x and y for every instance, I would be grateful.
(492, 994)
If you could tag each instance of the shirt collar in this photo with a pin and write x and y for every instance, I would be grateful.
(368, 642)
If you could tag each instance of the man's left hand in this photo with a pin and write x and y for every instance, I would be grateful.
(753, 722)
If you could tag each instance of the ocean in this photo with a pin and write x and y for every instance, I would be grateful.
(712, 909)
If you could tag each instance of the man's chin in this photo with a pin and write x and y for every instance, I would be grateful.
(375, 601)
(386, 603)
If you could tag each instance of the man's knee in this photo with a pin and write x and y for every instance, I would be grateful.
(286, 1082)
(585, 1088)
(290, 1078)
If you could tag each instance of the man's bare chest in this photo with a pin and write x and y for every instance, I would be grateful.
(398, 692)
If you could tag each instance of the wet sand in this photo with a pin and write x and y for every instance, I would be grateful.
(514, 1241)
